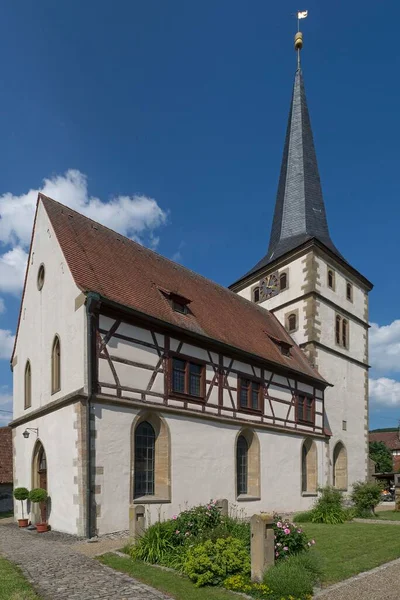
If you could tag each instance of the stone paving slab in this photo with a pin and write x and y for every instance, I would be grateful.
(57, 571)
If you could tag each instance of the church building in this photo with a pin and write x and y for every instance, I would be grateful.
(143, 387)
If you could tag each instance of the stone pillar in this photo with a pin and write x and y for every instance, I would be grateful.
(262, 545)
(397, 491)
(222, 506)
(137, 520)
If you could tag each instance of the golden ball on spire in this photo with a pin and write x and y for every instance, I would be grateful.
(298, 41)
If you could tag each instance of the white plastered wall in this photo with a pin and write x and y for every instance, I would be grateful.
(202, 467)
(44, 314)
(58, 436)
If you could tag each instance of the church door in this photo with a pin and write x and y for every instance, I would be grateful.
(42, 480)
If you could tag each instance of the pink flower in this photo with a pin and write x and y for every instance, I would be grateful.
(299, 531)
(177, 532)
(312, 542)
(279, 524)
(174, 517)
(274, 537)
(276, 554)
(285, 548)
(287, 531)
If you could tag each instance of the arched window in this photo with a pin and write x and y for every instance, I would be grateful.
(283, 281)
(145, 445)
(331, 279)
(309, 467)
(56, 366)
(256, 294)
(338, 328)
(241, 465)
(292, 322)
(344, 333)
(28, 386)
(340, 467)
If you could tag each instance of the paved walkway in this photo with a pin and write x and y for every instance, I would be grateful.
(58, 571)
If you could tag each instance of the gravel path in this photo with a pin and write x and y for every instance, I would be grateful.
(51, 562)
(382, 583)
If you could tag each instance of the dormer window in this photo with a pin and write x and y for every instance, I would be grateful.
(178, 302)
(283, 345)
(179, 307)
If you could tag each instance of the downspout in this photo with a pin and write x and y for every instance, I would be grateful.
(92, 303)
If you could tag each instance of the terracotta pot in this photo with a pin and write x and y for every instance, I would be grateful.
(41, 527)
(23, 522)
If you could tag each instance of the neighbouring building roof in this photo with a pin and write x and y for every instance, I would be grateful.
(299, 209)
(389, 438)
(133, 276)
(6, 455)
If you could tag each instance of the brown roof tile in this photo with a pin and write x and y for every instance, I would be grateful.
(131, 275)
(389, 438)
(6, 455)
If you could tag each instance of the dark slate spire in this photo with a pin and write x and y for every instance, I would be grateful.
(299, 211)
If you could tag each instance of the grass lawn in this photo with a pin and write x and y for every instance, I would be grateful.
(13, 585)
(169, 582)
(5, 515)
(351, 548)
(388, 515)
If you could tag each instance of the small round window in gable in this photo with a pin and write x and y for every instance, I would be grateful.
(40, 277)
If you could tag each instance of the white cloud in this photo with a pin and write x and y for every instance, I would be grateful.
(136, 216)
(384, 344)
(384, 391)
(6, 343)
(177, 256)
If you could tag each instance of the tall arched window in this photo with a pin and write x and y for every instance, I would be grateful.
(345, 338)
(242, 450)
(340, 466)
(28, 386)
(56, 366)
(309, 467)
(283, 281)
(292, 322)
(338, 328)
(144, 471)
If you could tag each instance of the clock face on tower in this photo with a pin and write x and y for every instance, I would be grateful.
(269, 286)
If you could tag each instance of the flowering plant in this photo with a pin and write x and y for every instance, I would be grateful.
(289, 538)
(194, 522)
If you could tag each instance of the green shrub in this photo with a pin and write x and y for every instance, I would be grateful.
(38, 495)
(21, 493)
(289, 539)
(240, 583)
(211, 563)
(329, 507)
(196, 522)
(366, 496)
(303, 517)
(295, 576)
(155, 543)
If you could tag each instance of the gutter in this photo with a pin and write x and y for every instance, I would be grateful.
(92, 303)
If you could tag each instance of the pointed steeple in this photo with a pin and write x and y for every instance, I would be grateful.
(299, 210)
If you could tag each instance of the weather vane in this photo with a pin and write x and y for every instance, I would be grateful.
(298, 38)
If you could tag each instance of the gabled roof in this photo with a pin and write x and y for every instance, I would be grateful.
(389, 438)
(128, 274)
(6, 455)
(299, 210)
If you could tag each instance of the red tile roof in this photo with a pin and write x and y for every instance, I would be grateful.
(131, 275)
(6, 455)
(389, 438)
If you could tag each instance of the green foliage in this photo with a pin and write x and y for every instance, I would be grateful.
(382, 457)
(329, 507)
(294, 577)
(196, 522)
(156, 542)
(303, 517)
(366, 496)
(240, 583)
(211, 563)
(21, 493)
(38, 495)
(289, 539)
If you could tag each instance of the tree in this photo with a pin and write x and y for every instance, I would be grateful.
(382, 456)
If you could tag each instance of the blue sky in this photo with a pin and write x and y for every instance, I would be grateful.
(186, 103)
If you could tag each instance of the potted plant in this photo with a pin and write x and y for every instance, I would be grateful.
(21, 493)
(39, 496)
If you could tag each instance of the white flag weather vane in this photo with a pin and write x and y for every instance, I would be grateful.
(302, 14)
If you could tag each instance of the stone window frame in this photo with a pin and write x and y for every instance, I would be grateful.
(28, 385)
(253, 465)
(253, 291)
(340, 481)
(309, 468)
(342, 324)
(349, 286)
(56, 365)
(333, 286)
(289, 314)
(284, 272)
(162, 468)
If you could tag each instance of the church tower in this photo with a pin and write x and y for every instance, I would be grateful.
(317, 295)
